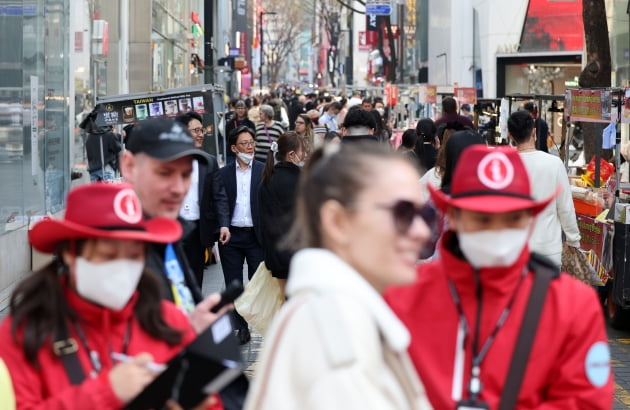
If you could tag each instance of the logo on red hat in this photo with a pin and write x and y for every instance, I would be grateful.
(495, 171)
(127, 206)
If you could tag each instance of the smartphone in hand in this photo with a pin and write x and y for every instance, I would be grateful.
(232, 291)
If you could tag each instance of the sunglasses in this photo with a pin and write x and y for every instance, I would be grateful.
(404, 212)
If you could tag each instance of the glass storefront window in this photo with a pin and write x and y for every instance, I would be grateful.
(34, 165)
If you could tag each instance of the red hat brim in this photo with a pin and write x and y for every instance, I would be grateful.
(491, 203)
(47, 233)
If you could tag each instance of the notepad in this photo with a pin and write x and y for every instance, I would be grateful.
(205, 366)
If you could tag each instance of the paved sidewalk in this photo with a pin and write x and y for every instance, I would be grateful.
(213, 282)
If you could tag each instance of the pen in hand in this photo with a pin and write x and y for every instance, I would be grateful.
(123, 358)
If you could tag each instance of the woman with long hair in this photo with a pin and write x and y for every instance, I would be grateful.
(304, 128)
(335, 343)
(86, 330)
(277, 195)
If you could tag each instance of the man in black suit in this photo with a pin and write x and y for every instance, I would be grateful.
(205, 207)
(241, 180)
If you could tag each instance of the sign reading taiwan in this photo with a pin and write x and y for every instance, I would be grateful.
(152, 106)
(589, 105)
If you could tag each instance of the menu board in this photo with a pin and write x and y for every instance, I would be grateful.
(127, 111)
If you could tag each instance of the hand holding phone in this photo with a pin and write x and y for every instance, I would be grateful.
(232, 291)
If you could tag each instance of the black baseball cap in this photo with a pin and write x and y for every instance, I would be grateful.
(165, 140)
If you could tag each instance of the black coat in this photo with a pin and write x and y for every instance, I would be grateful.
(214, 211)
(111, 148)
(277, 209)
(228, 175)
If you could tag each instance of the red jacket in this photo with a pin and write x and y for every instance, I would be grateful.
(564, 371)
(49, 386)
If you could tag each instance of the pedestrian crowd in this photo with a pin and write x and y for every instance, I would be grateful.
(426, 276)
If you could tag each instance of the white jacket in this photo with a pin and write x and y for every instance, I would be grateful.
(546, 173)
(334, 345)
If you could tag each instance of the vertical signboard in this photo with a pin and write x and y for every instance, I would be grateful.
(34, 124)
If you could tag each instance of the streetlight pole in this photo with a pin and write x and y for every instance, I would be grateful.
(262, 49)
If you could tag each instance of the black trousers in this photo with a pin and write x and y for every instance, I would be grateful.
(243, 246)
(195, 253)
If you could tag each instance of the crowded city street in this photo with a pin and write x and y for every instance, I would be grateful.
(314, 204)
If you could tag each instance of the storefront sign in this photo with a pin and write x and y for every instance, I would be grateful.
(367, 40)
(391, 95)
(154, 106)
(427, 94)
(589, 105)
(466, 95)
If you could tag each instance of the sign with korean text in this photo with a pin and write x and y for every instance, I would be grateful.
(596, 238)
(466, 95)
(427, 94)
(589, 105)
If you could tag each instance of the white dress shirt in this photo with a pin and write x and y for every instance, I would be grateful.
(190, 207)
(242, 210)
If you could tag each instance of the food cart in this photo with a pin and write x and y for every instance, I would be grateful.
(601, 203)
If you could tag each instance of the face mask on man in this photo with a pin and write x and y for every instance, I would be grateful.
(493, 248)
(109, 284)
(246, 158)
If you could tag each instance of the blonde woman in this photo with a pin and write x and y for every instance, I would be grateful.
(336, 344)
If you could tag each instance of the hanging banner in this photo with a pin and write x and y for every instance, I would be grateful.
(466, 95)
(427, 94)
(589, 105)
(166, 104)
(34, 108)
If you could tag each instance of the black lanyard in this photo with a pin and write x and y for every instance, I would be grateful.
(93, 354)
(474, 387)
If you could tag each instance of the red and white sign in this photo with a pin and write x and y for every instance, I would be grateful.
(466, 95)
(427, 94)
(391, 95)
(367, 40)
(495, 171)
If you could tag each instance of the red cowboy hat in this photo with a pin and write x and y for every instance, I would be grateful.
(491, 180)
(102, 210)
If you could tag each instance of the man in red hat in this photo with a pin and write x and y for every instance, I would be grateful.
(466, 310)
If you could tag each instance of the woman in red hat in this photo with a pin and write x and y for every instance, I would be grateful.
(466, 310)
(86, 331)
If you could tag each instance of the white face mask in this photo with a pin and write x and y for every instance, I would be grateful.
(246, 158)
(493, 248)
(109, 284)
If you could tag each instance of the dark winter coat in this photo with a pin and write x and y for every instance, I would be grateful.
(277, 205)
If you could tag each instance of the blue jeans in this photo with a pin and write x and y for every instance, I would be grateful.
(97, 175)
